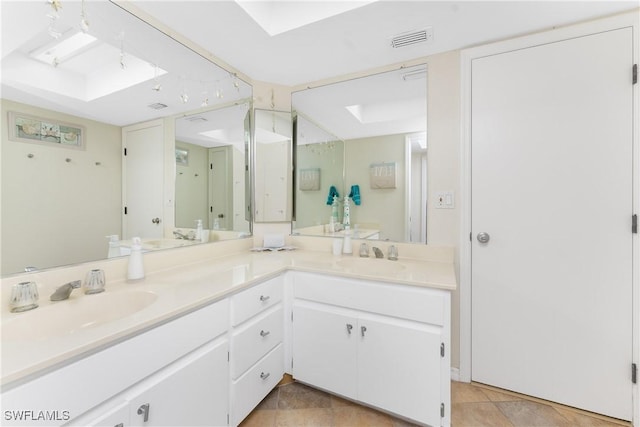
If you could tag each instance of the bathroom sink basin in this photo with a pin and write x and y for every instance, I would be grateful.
(167, 243)
(74, 315)
(370, 266)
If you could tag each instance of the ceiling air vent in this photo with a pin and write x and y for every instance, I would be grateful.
(408, 39)
(158, 106)
(195, 119)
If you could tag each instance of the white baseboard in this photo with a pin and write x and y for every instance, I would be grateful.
(455, 374)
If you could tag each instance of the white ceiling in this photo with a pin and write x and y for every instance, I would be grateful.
(359, 39)
(355, 40)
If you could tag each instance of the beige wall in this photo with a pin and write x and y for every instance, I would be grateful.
(56, 212)
(311, 205)
(443, 166)
(385, 206)
(192, 187)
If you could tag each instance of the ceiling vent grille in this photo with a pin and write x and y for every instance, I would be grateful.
(408, 39)
(158, 106)
(195, 119)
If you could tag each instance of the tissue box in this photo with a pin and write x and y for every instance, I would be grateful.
(273, 240)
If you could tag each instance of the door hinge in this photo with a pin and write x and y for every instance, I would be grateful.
(125, 151)
(634, 373)
(442, 410)
(211, 166)
(470, 237)
(228, 356)
(227, 419)
(634, 224)
(125, 210)
(292, 315)
(635, 73)
(441, 349)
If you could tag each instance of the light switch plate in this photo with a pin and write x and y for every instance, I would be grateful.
(445, 200)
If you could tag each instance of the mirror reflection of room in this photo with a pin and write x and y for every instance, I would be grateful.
(361, 148)
(74, 96)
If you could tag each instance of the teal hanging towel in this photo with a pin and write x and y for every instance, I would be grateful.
(333, 192)
(355, 194)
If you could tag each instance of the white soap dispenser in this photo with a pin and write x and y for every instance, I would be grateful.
(198, 230)
(114, 246)
(136, 266)
(346, 243)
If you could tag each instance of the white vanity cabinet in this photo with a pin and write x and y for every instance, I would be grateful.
(385, 345)
(159, 366)
(256, 345)
(191, 392)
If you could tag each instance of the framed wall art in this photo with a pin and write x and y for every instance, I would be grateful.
(182, 157)
(38, 130)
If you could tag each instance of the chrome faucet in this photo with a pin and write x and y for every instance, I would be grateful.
(64, 291)
(378, 253)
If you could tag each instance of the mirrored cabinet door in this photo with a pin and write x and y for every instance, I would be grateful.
(273, 166)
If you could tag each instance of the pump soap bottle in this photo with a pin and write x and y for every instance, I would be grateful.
(136, 266)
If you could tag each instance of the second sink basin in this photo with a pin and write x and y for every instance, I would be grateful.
(370, 265)
(74, 315)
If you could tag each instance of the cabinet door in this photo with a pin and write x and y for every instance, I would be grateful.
(190, 392)
(399, 367)
(324, 347)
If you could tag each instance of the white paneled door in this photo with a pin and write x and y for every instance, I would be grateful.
(552, 191)
(143, 186)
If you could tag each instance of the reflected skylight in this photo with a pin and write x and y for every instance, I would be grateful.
(277, 16)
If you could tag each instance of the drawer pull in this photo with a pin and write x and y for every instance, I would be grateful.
(349, 328)
(264, 298)
(264, 376)
(264, 333)
(144, 411)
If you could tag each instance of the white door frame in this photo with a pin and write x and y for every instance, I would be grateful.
(630, 19)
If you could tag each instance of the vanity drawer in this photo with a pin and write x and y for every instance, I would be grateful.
(402, 301)
(255, 384)
(255, 338)
(256, 299)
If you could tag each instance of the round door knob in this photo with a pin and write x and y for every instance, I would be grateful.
(483, 237)
(155, 220)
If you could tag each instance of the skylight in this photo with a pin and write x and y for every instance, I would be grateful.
(59, 51)
(277, 16)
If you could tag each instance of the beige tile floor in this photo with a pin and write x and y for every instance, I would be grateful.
(473, 405)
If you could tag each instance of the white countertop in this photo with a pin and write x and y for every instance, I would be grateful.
(178, 291)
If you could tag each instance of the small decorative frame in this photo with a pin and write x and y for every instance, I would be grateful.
(310, 179)
(37, 130)
(182, 157)
(382, 175)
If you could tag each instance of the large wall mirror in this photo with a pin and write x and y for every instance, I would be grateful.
(364, 139)
(273, 166)
(73, 79)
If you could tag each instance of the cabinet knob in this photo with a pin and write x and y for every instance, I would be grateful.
(363, 329)
(264, 298)
(264, 333)
(264, 376)
(144, 411)
(349, 328)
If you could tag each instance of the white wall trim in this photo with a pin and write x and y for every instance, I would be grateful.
(455, 374)
(630, 19)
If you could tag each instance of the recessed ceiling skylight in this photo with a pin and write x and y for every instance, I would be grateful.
(277, 16)
(61, 50)
(378, 112)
